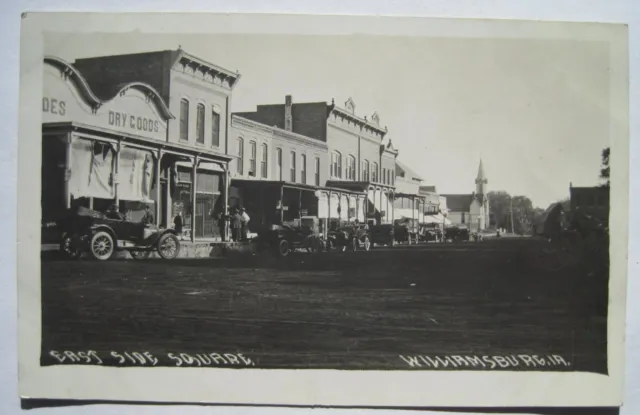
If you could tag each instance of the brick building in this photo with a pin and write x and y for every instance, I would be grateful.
(360, 182)
(185, 145)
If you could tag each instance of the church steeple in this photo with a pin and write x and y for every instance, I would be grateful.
(481, 180)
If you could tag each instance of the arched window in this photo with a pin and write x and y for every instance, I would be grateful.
(292, 164)
(264, 164)
(375, 172)
(184, 120)
(303, 169)
(240, 160)
(351, 168)
(365, 170)
(336, 164)
(253, 159)
(384, 176)
(279, 163)
(215, 128)
(200, 124)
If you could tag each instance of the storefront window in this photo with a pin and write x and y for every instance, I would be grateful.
(200, 124)
(215, 128)
(264, 164)
(184, 120)
(208, 206)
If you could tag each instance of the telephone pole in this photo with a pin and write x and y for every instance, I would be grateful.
(511, 209)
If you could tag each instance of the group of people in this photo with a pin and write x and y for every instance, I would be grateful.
(239, 224)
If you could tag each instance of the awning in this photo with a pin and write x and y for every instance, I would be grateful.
(406, 213)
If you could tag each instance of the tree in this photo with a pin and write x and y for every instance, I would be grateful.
(605, 170)
(501, 204)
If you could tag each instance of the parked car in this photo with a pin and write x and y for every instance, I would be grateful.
(430, 234)
(286, 238)
(353, 237)
(406, 230)
(457, 234)
(382, 234)
(86, 230)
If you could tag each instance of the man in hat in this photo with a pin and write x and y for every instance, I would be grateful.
(147, 218)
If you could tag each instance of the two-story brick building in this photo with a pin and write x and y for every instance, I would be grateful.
(184, 147)
(360, 181)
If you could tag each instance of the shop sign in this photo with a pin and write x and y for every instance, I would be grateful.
(129, 112)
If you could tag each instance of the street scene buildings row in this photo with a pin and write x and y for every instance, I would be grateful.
(156, 129)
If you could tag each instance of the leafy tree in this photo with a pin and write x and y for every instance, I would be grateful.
(524, 214)
(605, 170)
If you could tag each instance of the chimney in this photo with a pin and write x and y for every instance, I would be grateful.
(288, 119)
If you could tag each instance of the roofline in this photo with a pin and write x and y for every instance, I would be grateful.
(216, 68)
(70, 72)
(357, 119)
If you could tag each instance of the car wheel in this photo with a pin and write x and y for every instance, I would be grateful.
(284, 248)
(168, 246)
(69, 247)
(102, 246)
(367, 244)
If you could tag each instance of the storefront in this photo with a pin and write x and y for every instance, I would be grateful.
(375, 202)
(115, 154)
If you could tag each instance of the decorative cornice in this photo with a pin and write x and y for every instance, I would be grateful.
(69, 72)
(204, 67)
(363, 123)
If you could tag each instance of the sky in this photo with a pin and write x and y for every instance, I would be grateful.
(535, 111)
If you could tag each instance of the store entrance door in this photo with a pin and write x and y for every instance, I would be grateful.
(204, 216)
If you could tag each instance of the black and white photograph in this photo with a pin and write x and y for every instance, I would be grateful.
(401, 207)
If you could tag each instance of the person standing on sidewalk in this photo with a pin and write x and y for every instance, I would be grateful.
(244, 220)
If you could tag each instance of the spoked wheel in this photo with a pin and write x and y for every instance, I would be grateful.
(168, 246)
(140, 254)
(70, 247)
(102, 246)
(284, 248)
(367, 244)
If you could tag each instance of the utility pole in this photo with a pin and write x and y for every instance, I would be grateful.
(511, 209)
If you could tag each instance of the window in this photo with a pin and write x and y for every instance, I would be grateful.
(384, 176)
(200, 124)
(279, 163)
(351, 168)
(375, 172)
(293, 166)
(336, 164)
(365, 170)
(240, 156)
(184, 120)
(317, 171)
(252, 160)
(215, 128)
(303, 169)
(263, 164)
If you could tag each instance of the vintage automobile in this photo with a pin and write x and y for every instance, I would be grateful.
(287, 238)
(86, 230)
(457, 234)
(383, 234)
(430, 234)
(352, 237)
(406, 230)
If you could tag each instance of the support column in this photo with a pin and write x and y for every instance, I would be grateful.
(194, 178)
(225, 201)
(281, 204)
(116, 179)
(158, 156)
(67, 170)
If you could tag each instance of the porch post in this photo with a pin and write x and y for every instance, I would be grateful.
(281, 204)
(225, 201)
(329, 209)
(158, 195)
(67, 170)
(116, 179)
(169, 205)
(300, 203)
(194, 178)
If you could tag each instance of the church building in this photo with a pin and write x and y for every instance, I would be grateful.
(470, 210)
